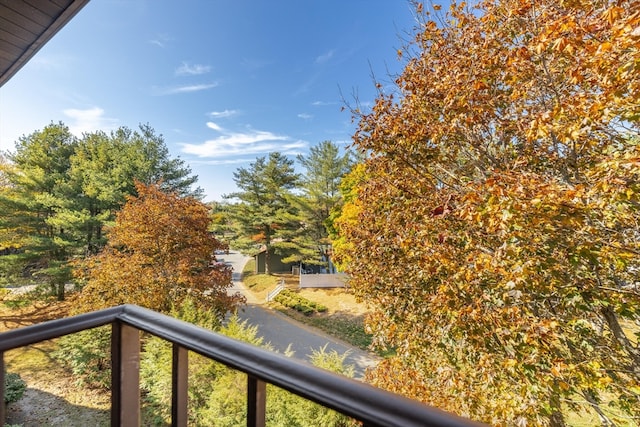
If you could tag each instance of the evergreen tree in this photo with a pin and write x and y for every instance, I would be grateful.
(265, 211)
(324, 168)
(32, 202)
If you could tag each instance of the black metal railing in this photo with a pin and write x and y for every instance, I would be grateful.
(370, 405)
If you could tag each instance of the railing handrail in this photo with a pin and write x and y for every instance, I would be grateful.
(373, 406)
(274, 293)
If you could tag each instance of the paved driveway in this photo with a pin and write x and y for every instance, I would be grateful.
(283, 332)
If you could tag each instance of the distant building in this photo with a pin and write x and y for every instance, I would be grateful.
(277, 266)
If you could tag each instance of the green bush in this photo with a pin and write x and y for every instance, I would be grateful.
(217, 394)
(14, 387)
(88, 355)
(292, 300)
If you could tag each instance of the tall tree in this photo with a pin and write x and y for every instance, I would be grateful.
(496, 228)
(320, 196)
(160, 252)
(265, 212)
(14, 219)
(104, 168)
(41, 163)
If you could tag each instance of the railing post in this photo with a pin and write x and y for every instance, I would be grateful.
(125, 375)
(3, 412)
(256, 402)
(179, 386)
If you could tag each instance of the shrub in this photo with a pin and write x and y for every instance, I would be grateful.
(292, 300)
(14, 387)
(88, 355)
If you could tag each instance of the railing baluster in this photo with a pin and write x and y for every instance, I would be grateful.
(256, 402)
(179, 386)
(125, 375)
(3, 412)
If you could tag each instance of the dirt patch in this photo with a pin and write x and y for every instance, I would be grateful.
(41, 408)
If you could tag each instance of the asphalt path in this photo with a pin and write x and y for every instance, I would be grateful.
(284, 333)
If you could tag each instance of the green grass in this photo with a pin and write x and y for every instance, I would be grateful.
(258, 284)
(249, 268)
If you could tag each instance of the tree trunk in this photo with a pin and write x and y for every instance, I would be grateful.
(634, 353)
(267, 261)
(267, 254)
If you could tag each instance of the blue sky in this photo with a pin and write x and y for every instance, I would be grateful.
(224, 81)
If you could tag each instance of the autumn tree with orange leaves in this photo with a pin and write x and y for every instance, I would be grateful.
(495, 228)
(159, 253)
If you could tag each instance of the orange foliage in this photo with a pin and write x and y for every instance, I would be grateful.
(159, 253)
(496, 231)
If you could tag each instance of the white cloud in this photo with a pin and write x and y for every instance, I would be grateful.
(305, 116)
(223, 114)
(233, 144)
(53, 62)
(187, 69)
(214, 126)
(188, 89)
(89, 120)
(325, 57)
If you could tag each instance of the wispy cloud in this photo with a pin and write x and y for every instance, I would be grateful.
(214, 126)
(160, 40)
(223, 114)
(325, 57)
(187, 69)
(89, 120)
(305, 116)
(322, 103)
(242, 143)
(187, 89)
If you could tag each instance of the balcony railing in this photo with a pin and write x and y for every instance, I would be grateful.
(370, 405)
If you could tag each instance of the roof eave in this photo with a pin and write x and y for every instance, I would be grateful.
(68, 13)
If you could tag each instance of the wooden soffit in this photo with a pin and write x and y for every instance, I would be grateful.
(26, 26)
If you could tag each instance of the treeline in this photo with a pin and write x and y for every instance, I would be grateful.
(58, 192)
